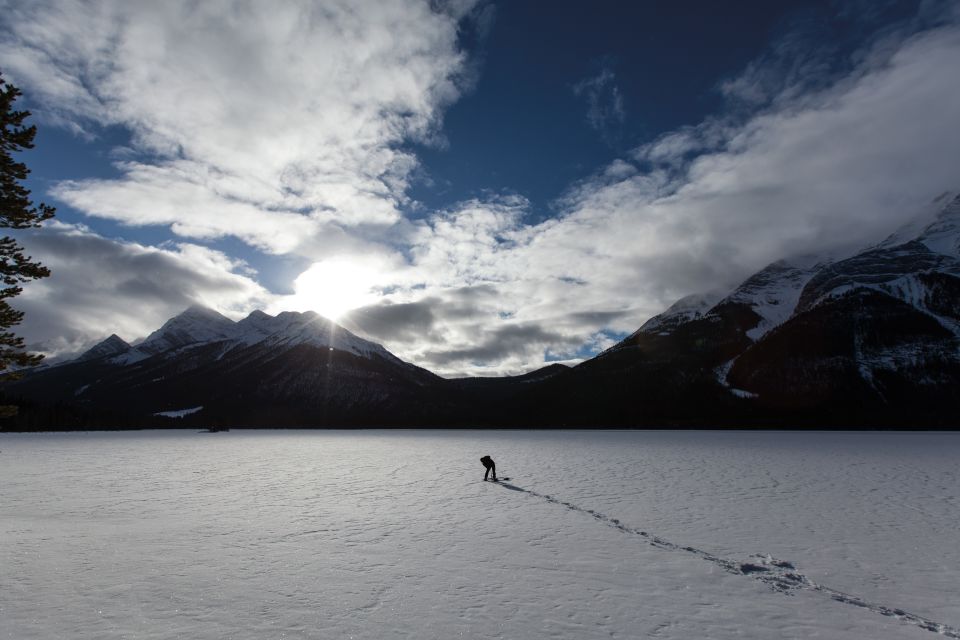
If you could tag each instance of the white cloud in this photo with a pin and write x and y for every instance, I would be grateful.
(101, 286)
(299, 156)
(826, 172)
(605, 110)
(268, 121)
(336, 285)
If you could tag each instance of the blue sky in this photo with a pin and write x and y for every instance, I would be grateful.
(525, 127)
(480, 186)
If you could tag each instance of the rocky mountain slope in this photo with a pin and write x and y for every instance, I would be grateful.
(869, 340)
(880, 329)
(292, 369)
(872, 339)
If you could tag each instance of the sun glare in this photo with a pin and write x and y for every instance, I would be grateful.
(333, 287)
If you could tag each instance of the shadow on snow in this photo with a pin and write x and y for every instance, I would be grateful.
(780, 575)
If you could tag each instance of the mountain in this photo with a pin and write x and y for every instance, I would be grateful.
(111, 347)
(879, 330)
(869, 340)
(866, 340)
(291, 369)
(680, 312)
(195, 325)
(936, 227)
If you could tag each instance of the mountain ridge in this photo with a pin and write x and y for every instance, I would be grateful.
(865, 340)
(202, 325)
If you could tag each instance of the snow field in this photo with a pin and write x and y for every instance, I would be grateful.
(380, 534)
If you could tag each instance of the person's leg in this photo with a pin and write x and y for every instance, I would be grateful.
(488, 473)
(494, 468)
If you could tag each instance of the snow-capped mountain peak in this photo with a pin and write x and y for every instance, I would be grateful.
(943, 234)
(683, 310)
(112, 346)
(912, 265)
(291, 328)
(196, 324)
(937, 226)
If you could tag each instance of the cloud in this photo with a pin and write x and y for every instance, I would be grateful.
(410, 322)
(819, 172)
(336, 285)
(101, 286)
(307, 161)
(270, 122)
(605, 111)
(806, 58)
(825, 172)
(496, 345)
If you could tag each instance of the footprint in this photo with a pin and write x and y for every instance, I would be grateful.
(779, 575)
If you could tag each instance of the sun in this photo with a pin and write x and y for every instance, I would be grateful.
(334, 286)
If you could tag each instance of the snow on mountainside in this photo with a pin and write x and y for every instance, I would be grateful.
(201, 326)
(255, 327)
(293, 369)
(937, 226)
(901, 267)
(943, 234)
(772, 293)
(881, 325)
(918, 265)
(291, 328)
(683, 310)
(909, 272)
(112, 346)
(871, 339)
(196, 324)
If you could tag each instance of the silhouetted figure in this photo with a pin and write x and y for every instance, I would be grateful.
(490, 465)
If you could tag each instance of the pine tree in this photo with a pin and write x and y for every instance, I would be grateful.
(17, 211)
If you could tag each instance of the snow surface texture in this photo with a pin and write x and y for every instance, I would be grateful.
(379, 534)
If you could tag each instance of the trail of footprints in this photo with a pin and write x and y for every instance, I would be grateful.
(779, 575)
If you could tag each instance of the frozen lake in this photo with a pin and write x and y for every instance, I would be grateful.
(393, 534)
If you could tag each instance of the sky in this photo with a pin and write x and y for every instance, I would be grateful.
(482, 187)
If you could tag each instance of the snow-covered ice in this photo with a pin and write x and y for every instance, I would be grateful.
(393, 534)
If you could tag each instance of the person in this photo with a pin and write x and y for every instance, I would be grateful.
(490, 465)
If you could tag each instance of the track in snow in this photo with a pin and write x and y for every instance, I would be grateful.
(780, 575)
